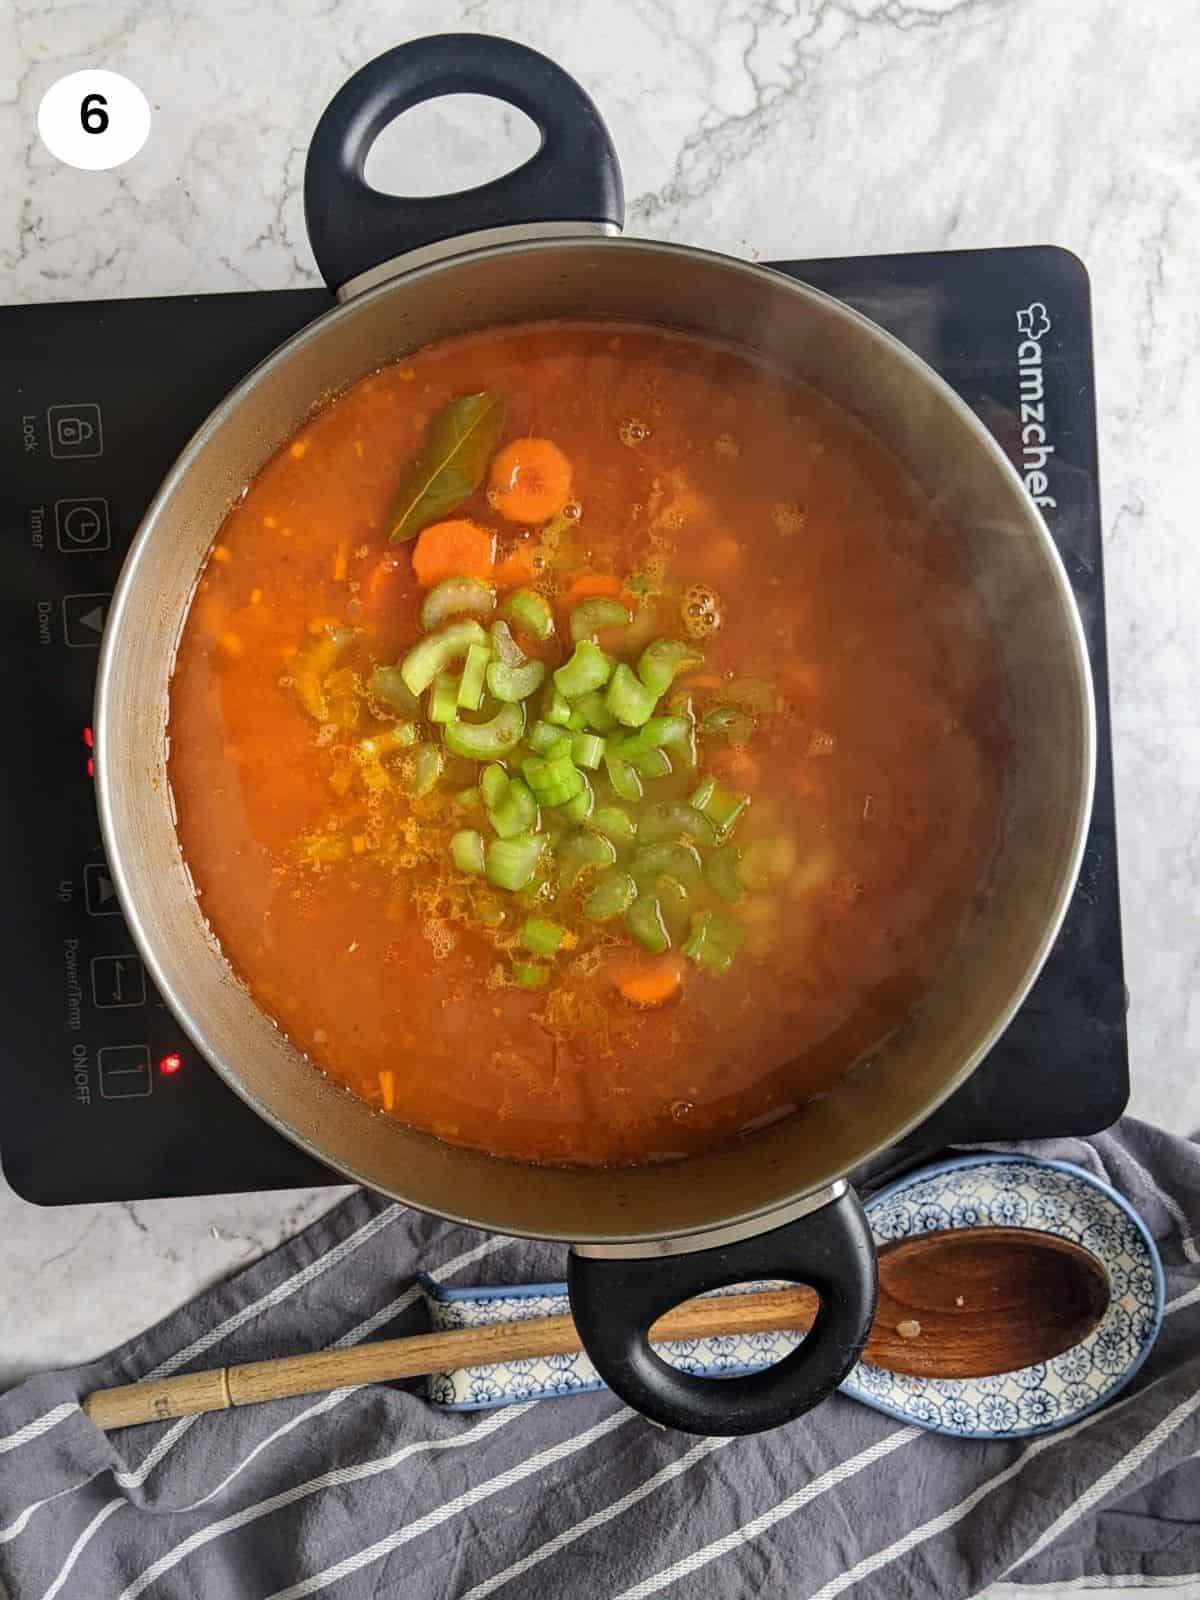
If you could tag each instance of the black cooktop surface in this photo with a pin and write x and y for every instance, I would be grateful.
(101, 1095)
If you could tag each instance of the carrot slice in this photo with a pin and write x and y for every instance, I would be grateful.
(517, 568)
(590, 586)
(530, 480)
(650, 981)
(455, 549)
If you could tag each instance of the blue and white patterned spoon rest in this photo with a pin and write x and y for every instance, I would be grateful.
(962, 1192)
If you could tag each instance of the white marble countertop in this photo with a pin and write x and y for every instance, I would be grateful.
(800, 129)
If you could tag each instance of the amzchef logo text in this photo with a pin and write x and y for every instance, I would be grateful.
(1033, 324)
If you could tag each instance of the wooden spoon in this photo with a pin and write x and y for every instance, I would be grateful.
(970, 1302)
(963, 1303)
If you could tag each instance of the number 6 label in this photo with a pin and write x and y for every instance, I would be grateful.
(94, 119)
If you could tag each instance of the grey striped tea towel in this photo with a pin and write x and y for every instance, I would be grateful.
(373, 1492)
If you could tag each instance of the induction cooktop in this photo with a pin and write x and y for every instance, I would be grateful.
(102, 1096)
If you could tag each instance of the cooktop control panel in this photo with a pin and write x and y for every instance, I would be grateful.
(103, 1096)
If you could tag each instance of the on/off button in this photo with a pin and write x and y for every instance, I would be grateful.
(124, 1071)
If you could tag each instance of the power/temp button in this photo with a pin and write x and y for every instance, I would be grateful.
(118, 981)
(124, 1072)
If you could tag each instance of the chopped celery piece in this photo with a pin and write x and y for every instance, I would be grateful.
(721, 805)
(588, 668)
(514, 683)
(511, 863)
(542, 736)
(470, 688)
(766, 862)
(579, 808)
(427, 764)
(484, 741)
(492, 785)
(555, 707)
(587, 750)
(674, 902)
(542, 937)
(443, 699)
(652, 764)
(591, 615)
(455, 596)
(644, 922)
(596, 714)
(576, 723)
(529, 975)
(612, 894)
(581, 851)
(714, 941)
(627, 698)
(616, 824)
(398, 737)
(388, 689)
(434, 654)
(504, 647)
(560, 749)
(466, 848)
(658, 732)
(661, 663)
(678, 861)
(721, 869)
(728, 722)
(682, 749)
(675, 819)
(466, 800)
(491, 913)
(627, 785)
(517, 811)
(553, 782)
(530, 612)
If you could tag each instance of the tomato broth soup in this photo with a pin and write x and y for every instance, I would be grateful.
(586, 742)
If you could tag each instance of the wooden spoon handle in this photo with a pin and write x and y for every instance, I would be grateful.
(159, 1399)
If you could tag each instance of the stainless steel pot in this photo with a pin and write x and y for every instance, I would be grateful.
(539, 243)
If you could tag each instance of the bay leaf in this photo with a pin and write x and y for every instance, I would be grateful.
(449, 466)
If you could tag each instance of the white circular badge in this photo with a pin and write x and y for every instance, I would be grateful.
(94, 119)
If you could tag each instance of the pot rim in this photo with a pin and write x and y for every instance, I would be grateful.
(754, 1219)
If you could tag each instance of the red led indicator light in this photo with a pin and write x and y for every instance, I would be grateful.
(89, 738)
(170, 1064)
(91, 767)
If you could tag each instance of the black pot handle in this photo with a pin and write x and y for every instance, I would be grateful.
(616, 1300)
(573, 177)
